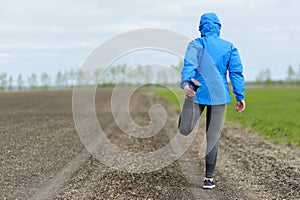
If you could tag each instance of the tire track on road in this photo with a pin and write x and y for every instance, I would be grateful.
(62, 178)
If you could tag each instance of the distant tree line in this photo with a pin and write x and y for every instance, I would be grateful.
(70, 78)
(264, 77)
(120, 73)
(34, 81)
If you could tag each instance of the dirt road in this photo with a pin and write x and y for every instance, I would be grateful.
(42, 156)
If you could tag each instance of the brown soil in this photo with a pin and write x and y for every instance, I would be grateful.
(38, 143)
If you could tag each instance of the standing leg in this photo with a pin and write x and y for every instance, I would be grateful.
(214, 121)
(189, 116)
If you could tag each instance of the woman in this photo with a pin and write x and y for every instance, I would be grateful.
(204, 79)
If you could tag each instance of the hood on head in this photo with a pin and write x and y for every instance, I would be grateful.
(210, 24)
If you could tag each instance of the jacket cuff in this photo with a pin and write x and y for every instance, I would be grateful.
(239, 98)
(184, 83)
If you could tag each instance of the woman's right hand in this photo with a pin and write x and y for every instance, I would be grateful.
(188, 91)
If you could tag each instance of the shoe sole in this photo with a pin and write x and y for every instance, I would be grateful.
(209, 187)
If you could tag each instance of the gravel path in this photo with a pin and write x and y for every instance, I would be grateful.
(42, 156)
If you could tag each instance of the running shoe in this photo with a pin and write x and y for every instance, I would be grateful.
(208, 183)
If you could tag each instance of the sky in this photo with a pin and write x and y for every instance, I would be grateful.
(48, 36)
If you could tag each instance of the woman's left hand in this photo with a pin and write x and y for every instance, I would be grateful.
(240, 106)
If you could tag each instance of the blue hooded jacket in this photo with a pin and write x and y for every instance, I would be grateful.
(208, 59)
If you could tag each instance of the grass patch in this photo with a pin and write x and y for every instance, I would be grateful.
(174, 97)
(274, 112)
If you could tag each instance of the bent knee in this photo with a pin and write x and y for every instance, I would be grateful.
(185, 130)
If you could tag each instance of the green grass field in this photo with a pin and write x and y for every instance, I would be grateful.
(273, 112)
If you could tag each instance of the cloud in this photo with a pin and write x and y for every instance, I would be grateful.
(5, 58)
(57, 29)
(45, 47)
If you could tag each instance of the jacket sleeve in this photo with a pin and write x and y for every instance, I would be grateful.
(235, 69)
(190, 64)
